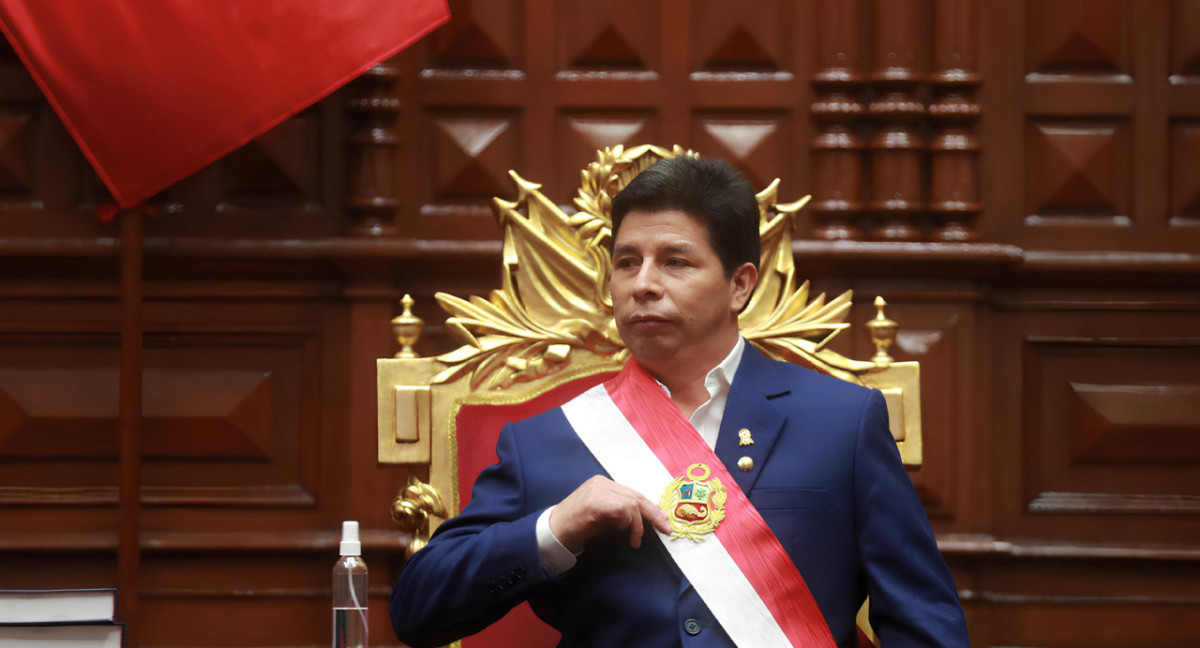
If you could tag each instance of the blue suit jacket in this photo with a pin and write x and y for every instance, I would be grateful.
(827, 479)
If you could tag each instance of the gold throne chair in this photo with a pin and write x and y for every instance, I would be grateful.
(547, 334)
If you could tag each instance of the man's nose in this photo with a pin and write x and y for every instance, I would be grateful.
(648, 282)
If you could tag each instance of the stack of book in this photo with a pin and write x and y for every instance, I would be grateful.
(76, 618)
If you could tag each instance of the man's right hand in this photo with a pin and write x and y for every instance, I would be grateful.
(601, 505)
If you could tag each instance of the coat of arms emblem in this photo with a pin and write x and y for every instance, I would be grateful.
(694, 503)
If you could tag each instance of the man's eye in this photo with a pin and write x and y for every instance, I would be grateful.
(677, 262)
(624, 263)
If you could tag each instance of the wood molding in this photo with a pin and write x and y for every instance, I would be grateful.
(967, 545)
(284, 496)
(1009, 598)
(1110, 503)
(388, 541)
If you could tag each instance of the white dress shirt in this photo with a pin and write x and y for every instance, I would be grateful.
(556, 558)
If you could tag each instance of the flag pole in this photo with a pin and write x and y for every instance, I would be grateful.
(130, 421)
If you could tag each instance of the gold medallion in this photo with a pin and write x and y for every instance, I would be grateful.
(744, 438)
(694, 504)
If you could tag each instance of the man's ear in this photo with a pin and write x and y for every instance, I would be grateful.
(742, 286)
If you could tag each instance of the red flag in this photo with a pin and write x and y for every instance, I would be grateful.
(154, 90)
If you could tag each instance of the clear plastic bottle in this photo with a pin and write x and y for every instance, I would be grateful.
(350, 628)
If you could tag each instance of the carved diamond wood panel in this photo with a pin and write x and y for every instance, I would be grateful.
(1077, 172)
(72, 413)
(471, 154)
(39, 163)
(53, 431)
(581, 133)
(1185, 40)
(484, 34)
(18, 86)
(1122, 423)
(608, 35)
(757, 144)
(279, 167)
(15, 151)
(1028, 617)
(223, 420)
(63, 413)
(1185, 173)
(1112, 426)
(1077, 37)
(740, 36)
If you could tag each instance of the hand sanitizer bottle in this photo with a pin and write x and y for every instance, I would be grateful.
(350, 592)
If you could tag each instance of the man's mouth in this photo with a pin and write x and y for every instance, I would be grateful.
(647, 320)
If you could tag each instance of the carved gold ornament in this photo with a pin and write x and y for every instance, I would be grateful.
(412, 508)
(554, 295)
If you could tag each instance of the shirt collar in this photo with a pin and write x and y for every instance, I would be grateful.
(720, 377)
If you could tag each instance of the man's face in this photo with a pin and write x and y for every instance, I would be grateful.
(672, 302)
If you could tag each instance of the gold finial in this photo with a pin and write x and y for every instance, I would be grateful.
(407, 328)
(883, 333)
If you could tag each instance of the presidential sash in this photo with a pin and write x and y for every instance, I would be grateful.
(718, 540)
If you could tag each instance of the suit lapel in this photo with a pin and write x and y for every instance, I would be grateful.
(749, 407)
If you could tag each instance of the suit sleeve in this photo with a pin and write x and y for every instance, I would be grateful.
(477, 566)
(914, 601)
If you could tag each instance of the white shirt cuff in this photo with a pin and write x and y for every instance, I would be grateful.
(556, 559)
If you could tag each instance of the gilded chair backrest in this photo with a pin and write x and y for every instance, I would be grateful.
(548, 333)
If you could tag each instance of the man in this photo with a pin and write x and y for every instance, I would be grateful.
(614, 517)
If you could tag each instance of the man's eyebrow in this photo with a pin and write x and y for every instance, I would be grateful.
(675, 248)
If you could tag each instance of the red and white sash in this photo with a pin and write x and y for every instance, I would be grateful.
(740, 571)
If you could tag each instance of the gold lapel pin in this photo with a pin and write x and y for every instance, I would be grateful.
(744, 438)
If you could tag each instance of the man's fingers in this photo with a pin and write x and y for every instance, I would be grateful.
(636, 530)
(599, 504)
(656, 516)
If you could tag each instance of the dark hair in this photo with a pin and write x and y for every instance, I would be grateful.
(710, 191)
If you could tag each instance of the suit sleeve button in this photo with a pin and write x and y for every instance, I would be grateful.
(692, 627)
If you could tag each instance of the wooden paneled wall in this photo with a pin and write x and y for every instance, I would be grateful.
(1019, 178)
